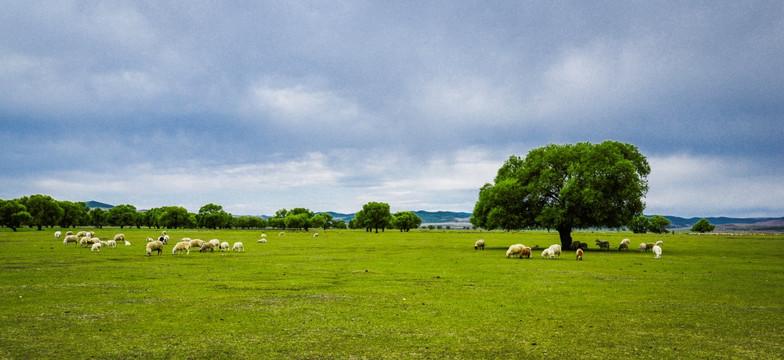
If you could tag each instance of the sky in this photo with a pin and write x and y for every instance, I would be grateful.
(328, 105)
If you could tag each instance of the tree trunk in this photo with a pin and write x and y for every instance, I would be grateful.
(565, 233)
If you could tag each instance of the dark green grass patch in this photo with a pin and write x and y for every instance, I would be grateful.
(351, 294)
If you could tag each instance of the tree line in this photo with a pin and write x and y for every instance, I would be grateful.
(44, 211)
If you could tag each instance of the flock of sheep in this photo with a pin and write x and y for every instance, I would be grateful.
(521, 251)
(88, 238)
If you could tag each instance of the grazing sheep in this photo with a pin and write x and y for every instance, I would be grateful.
(626, 241)
(237, 247)
(96, 247)
(57, 235)
(579, 254)
(224, 246)
(91, 233)
(526, 252)
(547, 254)
(70, 239)
(641, 248)
(603, 244)
(648, 246)
(112, 244)
(149, 239)
(315, 234)
(69, 232)
(262, 241)
(182, 246)
(119, 237)
(87, 241)
(81, 234)
(163, 232)
(479, 244)
(103, 243)
(657, 251)
(185, 239)
(281, 233)
(263, 235)
(154, 246)
(195, 243)
(215, 243)
(164, 239)
(623, 246)
(127, 243)
(207, 246)
(555, 249)
(584, 246)
(575, 245)
(515, 249)
(659, 243)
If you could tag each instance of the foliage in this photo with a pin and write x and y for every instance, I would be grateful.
(374, 215)
(73, 214)
(703, 226)
(122, 216)
(658, 224)
(406, 220)
(213, 216)
(174, 217)
(44, 210)
(639, 224)
(13, 214)
(566, 187)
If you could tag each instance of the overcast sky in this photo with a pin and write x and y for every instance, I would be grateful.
(329, 105)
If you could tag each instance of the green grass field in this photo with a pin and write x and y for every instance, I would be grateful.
(351, 294)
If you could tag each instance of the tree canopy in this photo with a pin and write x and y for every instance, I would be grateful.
(406, 220)
(703, 226)
(566, 187)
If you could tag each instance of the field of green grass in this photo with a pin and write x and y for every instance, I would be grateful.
(352, 294)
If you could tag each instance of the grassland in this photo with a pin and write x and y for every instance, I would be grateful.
(351, 294)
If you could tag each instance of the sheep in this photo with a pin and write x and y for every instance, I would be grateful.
(547, 254)
(659, 243)
(657, 250)
(149, 239)
(163, 232)
(224, 246)
(603, 244)
(579, 254)
(91, 233)
(87, 241)
(237, 247)
(575, 245)
(215, 243)
(515, 249)
(196, 243)
(525, 252)
(207, 246)
(180, 246)
(164, 239)
(119, 237)
(264, 241)
(642, 247)
(315, 234)
(103, 243)
(81, 234)
(70, 239)
(479, 244)
(281, 233)
(69, 232)
(584, 246)
(623, 246)
(555, 249)
(263, 235)
(127, 243)
(57, 235)
(626, 241)
(648, 246)
(96, 247)
(154, 246)
(186, 239)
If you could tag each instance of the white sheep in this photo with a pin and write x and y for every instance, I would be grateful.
(96, 247)
(224, 246)
(57, 235)
(281, 233)
(547, 254)
(315, 234)
(149, 239)
(206, 246)
(263, 235)
(237, 247)
(626, 241)
(659, 243)
(515, 249)
(127, 243)
(555, 249)
(87, 241)
(103, 243)
(195, 243)
(479, 244)
(657, 250)
(264, 241)
(215, 243)
(182, 246)
(81, 234)
(70, 239)
(119, 237)
(69, 232)
(154, 246)
(91, 233)
(642, 247)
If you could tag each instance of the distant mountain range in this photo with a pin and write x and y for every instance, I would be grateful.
(462, 218)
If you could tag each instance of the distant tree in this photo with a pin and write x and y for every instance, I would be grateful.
(122, 215)
(659, 224)
(340, 224)
(213, 216)
(639, 224)
(98, 217)
(406, 220)
(174, 217)
(297, 221)
(74, 213)
(276, 223)
(318, 221)
(13, 214)
(150, 218)
(566, 187)
(257, 222)
(328, 218)
(43, 209)
(703, 226)
(376, 215)
(431, 227)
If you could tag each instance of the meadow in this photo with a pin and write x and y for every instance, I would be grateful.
(423, 294)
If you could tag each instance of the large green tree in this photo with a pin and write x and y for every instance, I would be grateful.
(123, 215)
(703, 226)
(375, 215)
(13, 214)
(658, 224)
(406, 220)
(213, 216)
(74, 213)
(44, 210)
(566, 187)
(173, 217)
